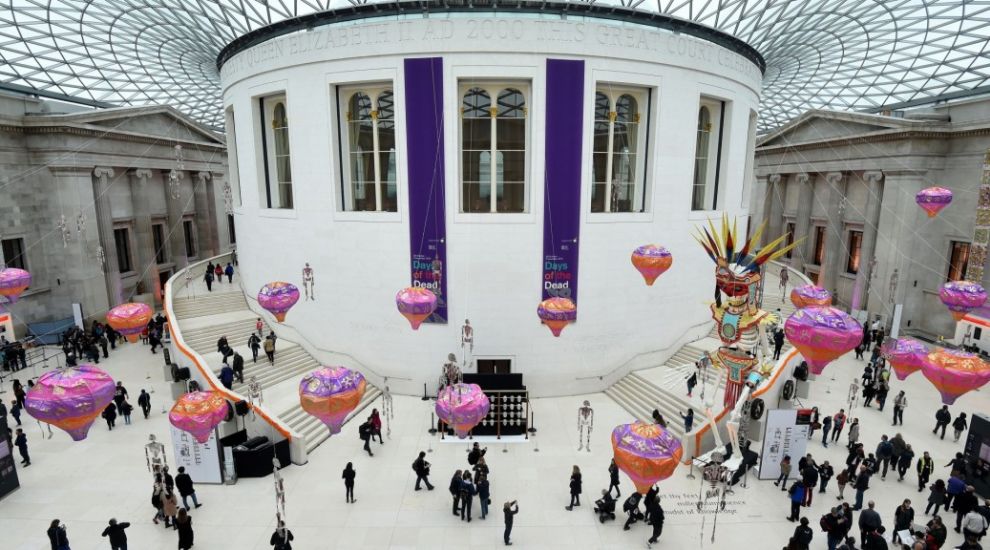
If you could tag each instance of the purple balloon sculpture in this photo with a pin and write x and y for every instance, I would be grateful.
(822, 334)
(933, 199)
(13, 282)
(462, 406)
(330, 394)
(70, 398)
(961, 297)
(278, 298)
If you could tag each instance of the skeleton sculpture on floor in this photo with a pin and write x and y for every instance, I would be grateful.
(308, 279)
(740, 324)
(467, 336)
(154, 455)
(586, 422)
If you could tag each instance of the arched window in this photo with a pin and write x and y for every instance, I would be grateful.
(707, 155)
(276, 158)
(618, 163)
(493, 149)
(370, 178)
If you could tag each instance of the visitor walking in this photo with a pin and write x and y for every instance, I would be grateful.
(826, 427)
(613, 476)
(959, 426)
(209, 280)
(229, 272)
(144, 401)
(692, 381)
(838, 422)
(376, 426)
(509, 509)
(20, 440)
(778, 342)
(254, 342)
(796, 493)
(57, 535)
(841, 480)
(125, 410)
(575, 487)
(853, 433)
(270, 350)
(484, 494)
(900, 403)
(184, 484)
(803, 535)
(688, 420)
(348, 476)
(861, 486)
(925, 467)
(785, 472)
(422, 469)
(904, 462)
(115, 531)
(364, 432)
(942, 419)
(237, 365)
(936, 496)
(869, 521)
(110, 415)
(656, 519)
(964, 504)
(184, 526)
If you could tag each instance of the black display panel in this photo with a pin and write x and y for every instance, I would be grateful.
(8, 472)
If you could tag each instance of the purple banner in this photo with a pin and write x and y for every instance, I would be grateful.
(424, 149)
(562, 191)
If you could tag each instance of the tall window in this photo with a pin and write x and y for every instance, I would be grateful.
(493, 149)
(855, 245)
(122, 240)
(958, 260)
(233, 168)
(188, 233)
(369, 176)
(708, 154)
(790, 238)
(276, 152)
(230, 228)
(819, 244)
(14, 254)
(158, 237)
(618, 162)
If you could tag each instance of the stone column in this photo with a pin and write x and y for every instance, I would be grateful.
(776, 191)
(144, 249)
(802, 221)
(174, 233)
(860, 300)
(104, 224)
(77, 277)
(898, 240)
(209, 181)
(206, 217)
(834, 245)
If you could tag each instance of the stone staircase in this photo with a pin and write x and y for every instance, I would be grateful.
(639, 397)
(292, 361)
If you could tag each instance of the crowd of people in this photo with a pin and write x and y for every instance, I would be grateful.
(216, 272)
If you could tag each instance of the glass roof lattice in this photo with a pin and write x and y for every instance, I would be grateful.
(836, 54)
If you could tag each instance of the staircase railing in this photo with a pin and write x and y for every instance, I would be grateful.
(205, 375)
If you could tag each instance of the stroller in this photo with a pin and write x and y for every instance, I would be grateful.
(631, 507)
(605, 507)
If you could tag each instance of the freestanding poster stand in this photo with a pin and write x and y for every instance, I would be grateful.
(201, 460)
(8, 472)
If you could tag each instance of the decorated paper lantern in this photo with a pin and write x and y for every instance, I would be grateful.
(416, 303)
(810, 295)
(556, 313)
(71, 398)
(13, 282)
(278, 297)
(961, 297)
(651, 261)
(198, 413)
(647, 453)
(822, 334)
(130, 319)
(330, 394)
(955, 372)
(462, 406)
(905, 355)
(933, 199)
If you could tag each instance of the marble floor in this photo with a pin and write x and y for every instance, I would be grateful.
(85, 483)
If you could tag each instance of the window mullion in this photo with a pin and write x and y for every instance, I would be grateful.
(492, 160)
(612, 115)
(376, 160)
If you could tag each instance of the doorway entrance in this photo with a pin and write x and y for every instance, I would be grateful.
(494, 366)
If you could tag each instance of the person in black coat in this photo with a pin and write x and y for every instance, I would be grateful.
(510, 509)
(110, 415)
(184, 525)
(348, 477)
(613, 477)
(655, 512)
(144, 401)
(364, 432)
(118, 538)
(184, 484)
(575, 486)
(238, 366)
(467, 496)
(803, 534)
(282, 538)
(809, 477)
(455, 491)
(964, 504)
(57, 536)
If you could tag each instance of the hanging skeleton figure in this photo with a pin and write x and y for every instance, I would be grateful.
(451, 372)
(308, 279)
(586, 423)
(740, 323)
(154, 455)
(279, 492)
(387, 411)
(716, 476)
(255, 394)
(467, 336)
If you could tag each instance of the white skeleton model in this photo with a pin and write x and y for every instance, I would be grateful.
(154, 455)
(308, 279)
(467, 336)
(853, 393)
(451, 371)
(585, 422)
(279, 492)
(755, 343)
(387, 411)
(255, 393)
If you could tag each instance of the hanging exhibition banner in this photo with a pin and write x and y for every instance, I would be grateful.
(201, 460)
(786, 434)
(562, 191)
(424, 146)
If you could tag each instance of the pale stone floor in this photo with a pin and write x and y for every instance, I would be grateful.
(104, 476)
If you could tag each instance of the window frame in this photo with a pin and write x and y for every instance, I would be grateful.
(230, 123)
(719, 116)
(343, 94)
(125, 260)
(20, 260)
(231, 230)
(161, 251)
(272, 189)
(952, 259)
(643, 95)
(854, 252)
(493, 86)
(789, 229)
(189, 238)
(818, 252)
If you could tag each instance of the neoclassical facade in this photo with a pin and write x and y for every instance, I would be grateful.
(846, 184)
(102, 206)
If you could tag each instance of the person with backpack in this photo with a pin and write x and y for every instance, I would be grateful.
(942, 419)
(422, 469)
(958, 426)
(254, 342)
(835, 527)
(209, 280)
(796, 493)
(803, 535)
(364, 432)
(229, 272)
(885, 454)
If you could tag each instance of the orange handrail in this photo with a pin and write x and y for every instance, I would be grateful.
(210, 379)
(759, 391)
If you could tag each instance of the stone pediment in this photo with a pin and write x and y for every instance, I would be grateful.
(151, 121)
(825, 125)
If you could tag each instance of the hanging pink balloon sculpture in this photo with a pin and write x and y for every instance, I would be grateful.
(810, 295)
(462, 406)
(278, 298)
(822, 334)
(905, 355)
(961, 297)
(330, 394)
(13, 282)
(954, 373)
(933, 199)
(198, 413)
(71, 398)
(651, 261)
(647, 453)
(556, 313)
(416, 303)
(130, 319)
